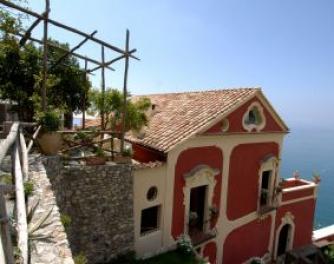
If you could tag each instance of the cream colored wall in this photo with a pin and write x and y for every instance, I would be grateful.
(226, 143)
(151, 243)
(163, 178)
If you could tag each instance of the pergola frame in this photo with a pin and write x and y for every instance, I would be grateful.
(125, 54)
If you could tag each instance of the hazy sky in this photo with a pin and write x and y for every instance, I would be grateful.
(284, 46)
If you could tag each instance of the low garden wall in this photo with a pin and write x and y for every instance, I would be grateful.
(96, 205)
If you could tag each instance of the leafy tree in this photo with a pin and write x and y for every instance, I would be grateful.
(72, 86)
(113, 108)
(21, 78)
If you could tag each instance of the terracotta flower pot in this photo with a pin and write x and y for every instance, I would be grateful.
(95, 160)
(50, 143)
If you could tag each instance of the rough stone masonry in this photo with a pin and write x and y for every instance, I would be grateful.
(99, 201)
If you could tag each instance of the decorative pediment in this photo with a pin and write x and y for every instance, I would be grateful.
(201, 170)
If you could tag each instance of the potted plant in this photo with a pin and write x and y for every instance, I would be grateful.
(125, 156)
(50, 141)
(98, 159)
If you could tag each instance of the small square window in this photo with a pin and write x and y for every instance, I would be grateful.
(149, 220)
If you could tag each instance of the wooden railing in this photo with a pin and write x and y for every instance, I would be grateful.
(15, 142)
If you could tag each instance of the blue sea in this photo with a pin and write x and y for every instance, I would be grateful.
(311, 150)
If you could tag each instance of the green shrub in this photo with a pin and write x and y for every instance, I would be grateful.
(50, 120)
(329, 254)
(127, 152)
(184, 245)
(127, 258)
(66, 220)
(80, 259)
(28, 188)
(6, 179)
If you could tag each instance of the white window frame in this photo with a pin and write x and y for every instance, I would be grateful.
(288, 218)
(251, 127)
(199, 176)
(270, 164)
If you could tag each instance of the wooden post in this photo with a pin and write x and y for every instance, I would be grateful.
(84, 99)
(9, 141)
(103, 87)
(4, 227)
(127, 40)
(24, 156)
(21, 214)
(45, 53)
(34, 136)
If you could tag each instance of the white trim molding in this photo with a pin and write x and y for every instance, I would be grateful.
(251, 127)
(201, 175)
(268, 164)
(288, 218)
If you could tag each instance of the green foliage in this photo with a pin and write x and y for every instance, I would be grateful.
(66, 220)
(6, 178)
(21, 73)
(28, 188)
(127, 152)
(72, 83)
(80, 259)
(83, 137)
(170, 257)
(127, 258)
(329, 254)
(111, 105)
(99, 152)
(184, 245)
(49, 120)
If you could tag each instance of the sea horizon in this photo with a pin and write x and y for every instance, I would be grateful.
(310, 151)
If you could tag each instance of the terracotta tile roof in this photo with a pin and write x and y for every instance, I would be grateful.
(143, 165)
(178, 116)
(93, 122)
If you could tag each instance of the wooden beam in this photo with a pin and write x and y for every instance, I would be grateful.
(21, 214)
(58, 24)
(27, 34)
(45, 54)
(84, 99)
(5, 232)
(24, 156)
(34, 136)
(50, 44)
(113, 61)
(125, 84)
(103, 87)
(9, 141)
(71, 51)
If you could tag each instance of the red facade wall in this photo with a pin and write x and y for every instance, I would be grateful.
(210, 251)
(235, 120)
(297, 194)
(303, 213)
(243, 184)
(187, 160)
(143, 154)
(247, 241)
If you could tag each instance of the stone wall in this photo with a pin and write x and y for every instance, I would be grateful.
(99, 200)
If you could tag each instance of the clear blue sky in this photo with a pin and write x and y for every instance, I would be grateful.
(284, 46)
